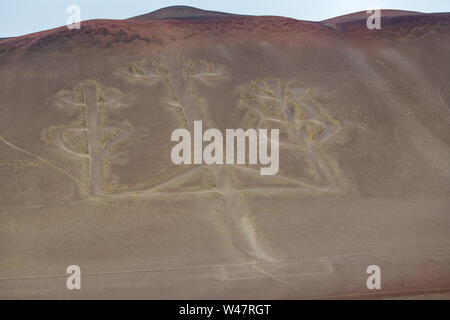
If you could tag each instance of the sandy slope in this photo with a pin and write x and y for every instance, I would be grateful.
(86, 119)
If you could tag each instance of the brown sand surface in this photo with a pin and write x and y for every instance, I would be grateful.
(86, 176)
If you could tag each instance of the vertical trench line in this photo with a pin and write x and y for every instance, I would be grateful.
(233, 202)
(94, 144)
(235, 208)
(177, 81)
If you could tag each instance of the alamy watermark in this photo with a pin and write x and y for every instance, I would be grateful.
(374, 280)
(74, 280)
(374, 20)
(74, 20)
(213, 153)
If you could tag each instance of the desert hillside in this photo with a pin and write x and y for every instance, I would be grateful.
(364, 159)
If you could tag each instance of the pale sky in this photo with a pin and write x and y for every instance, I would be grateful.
(19, 17)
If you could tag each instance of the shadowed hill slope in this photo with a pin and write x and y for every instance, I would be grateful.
(182, 12)
(363, 15)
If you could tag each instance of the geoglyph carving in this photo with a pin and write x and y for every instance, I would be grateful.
(268, 103)
(304, 125)
(181, 76)
(93, 136)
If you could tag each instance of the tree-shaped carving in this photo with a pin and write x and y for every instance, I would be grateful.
(269, 103)
(303, 124)
(93, 135)
(203, 72)
(182, 78)
(179, 76)
(152, 73)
